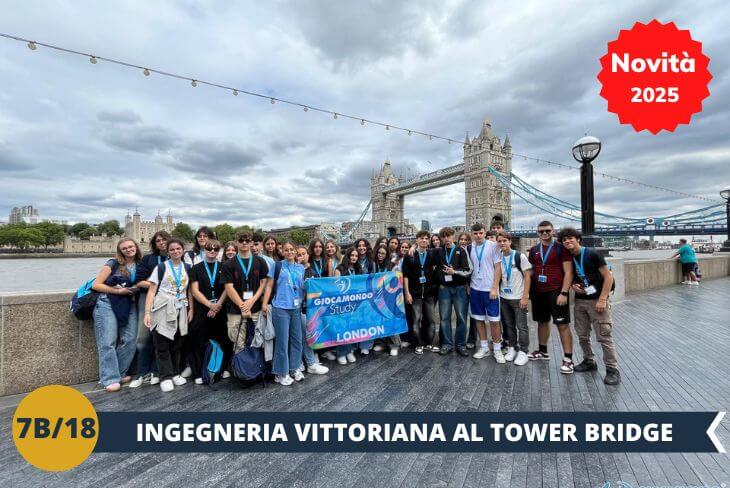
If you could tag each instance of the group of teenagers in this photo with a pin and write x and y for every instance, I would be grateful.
(156, 313)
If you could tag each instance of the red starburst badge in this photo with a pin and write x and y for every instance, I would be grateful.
(654, 76)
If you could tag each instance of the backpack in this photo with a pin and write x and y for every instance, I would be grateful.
(249, 365)
(84, 300)
(212, 363)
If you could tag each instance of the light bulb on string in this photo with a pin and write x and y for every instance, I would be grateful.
(362, 122)
(387, 127)
(306, 109)
(273, 101)
(194, 83)
(235, 93)
(334, 116)
(409, 133)
(146, 72)
(92, 59)
(32, 46)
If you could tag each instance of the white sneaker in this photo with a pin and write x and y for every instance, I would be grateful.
(394, 352)
(137, 382)
(298, 375)
(187, 372)
(686, 282)
(364, 352)
(154, 379)
(198, 381)
(284, 380)
(317, 368)
(301, 368)
(694, 283)
(167, 386)
(499, 356)
(521, 359)
(510, 354)
(342, 360)
(351, 357)
(226, 374)
(378, 347)
(179, 380)
(481, 353)
(329, 355)
(405, 344)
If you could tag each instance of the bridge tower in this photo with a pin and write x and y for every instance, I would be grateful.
(388, 215)
(486, 199)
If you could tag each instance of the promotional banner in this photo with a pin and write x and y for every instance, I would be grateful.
(350, 309)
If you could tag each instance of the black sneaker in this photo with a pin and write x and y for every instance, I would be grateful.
(462, 351)
(445, 350)
(586, 365)
(613, 377)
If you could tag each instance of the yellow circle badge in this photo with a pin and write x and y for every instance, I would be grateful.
(55, 428)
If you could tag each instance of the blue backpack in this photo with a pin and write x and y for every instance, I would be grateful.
(212, 363)
(249, 365)
(84, 300)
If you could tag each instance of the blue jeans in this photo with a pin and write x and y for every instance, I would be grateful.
(453, 296)
(288, 344)
(115, 344)
(366, 345)
(343, 350)
(307, 351)
(146, 361)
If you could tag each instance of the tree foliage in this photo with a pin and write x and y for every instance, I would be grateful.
(224, 232)
(299, 236)
(110, 228)
(52, 233)
(184, 232)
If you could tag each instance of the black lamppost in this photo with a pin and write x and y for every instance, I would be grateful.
(726, 195)
(585, 150)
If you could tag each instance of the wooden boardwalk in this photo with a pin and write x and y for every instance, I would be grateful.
(672, 345)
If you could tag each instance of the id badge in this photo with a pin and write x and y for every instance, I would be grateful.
(247, 295)
(542, 278)
(448, 278)
(296, 302)
(590, 290)
(422, 279)
(507, 290)
(213, 300)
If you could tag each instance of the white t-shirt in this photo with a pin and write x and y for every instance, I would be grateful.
(168, 284)
(516, 282)
(482, 275)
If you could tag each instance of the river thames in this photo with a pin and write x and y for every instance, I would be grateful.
(46, 274)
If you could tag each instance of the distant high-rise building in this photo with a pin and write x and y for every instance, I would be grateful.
(426, 225)
(26, 214)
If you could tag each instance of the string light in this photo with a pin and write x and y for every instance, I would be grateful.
(33, 45)
(235, 93)
(334, 115)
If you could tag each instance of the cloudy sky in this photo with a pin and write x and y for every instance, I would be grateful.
(86, 142)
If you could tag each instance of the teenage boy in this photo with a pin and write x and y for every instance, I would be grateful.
(453, 270)
(497, 226)
(420, 290)
(244, 278)
(688, 259)
(484, 296)
(551, 280)
(514, 295)
(592, 284)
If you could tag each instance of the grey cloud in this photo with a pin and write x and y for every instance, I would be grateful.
(119, 117)
(140, 139)
(99, 199)
(215, 157)
(11, 163)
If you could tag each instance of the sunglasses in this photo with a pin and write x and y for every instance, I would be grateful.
(544, 231)
(243, 241)
(213, 249)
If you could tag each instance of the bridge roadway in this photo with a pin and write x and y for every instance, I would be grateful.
(698, 230)
(672, 346)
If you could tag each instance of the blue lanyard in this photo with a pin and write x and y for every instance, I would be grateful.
(202, 255)
(579, 266)
(422, 260)
(291, 273)
(132, 272)
(480, 254)
(508, 266)
(364, 265)
(350, 271)
(317, 264)
(212, 276)
(544, 257)
(246, 269)
(160, 260)
(177, 275)
(449, 254)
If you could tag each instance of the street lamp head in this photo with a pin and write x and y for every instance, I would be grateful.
(586, 149)
(725, 194)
